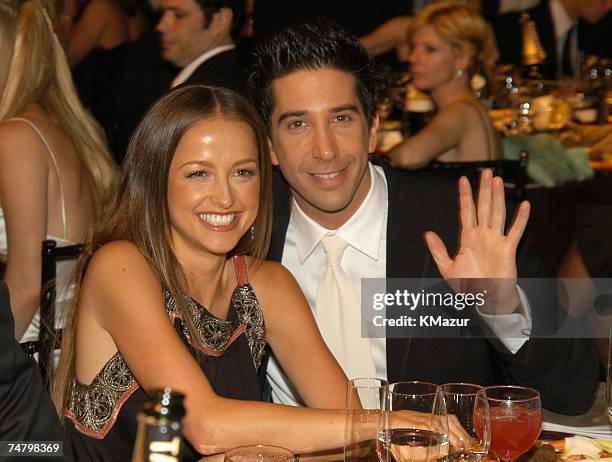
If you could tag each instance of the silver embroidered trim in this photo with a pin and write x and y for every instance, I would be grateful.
(93, 405)
(250, 316)
(214, 333)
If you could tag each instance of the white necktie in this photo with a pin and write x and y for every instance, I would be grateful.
(338, 314)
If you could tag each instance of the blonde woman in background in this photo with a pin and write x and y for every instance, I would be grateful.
(55, 170)
(446, 43)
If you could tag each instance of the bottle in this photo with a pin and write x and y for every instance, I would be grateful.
(159, 427)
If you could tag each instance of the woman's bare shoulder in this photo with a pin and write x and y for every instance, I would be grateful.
(117, 274)
(118, 259)
(465, 107)
(19, 141)
(275, 286)
(267, 272)
(13, 130)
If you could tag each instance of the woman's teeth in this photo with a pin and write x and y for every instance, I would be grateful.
(217, 220)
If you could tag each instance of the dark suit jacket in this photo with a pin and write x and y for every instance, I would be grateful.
(223, 70)
(507, 29)
(565, 371)
(26, 410)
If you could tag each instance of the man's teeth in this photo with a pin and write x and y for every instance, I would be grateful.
(327, 176)
(217, 220)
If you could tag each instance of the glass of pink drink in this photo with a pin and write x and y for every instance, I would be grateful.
(516, 420)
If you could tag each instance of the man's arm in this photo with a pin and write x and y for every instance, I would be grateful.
(565, 368)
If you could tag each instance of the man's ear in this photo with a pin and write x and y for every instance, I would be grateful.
(222, 20)
(273, 157)
(373, 133)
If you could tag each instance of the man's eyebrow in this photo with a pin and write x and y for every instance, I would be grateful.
(335, 110)
(345, 108)
(288, 115)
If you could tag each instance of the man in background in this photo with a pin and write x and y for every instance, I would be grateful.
(567, 29)
(196, 44)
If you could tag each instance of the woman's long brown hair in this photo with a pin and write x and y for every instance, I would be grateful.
(138, 210)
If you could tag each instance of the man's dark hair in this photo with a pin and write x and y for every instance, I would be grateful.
(238, 7)
(311, 45)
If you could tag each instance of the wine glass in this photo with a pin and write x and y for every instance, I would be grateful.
(415, 422)
(468, 403)
(259, 453)
(364, 403)
(516, 419)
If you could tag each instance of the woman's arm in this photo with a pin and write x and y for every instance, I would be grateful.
(88, 31)
(444, 132)
(294, 337)
(126, 298)
(386, 37)
(24, 173)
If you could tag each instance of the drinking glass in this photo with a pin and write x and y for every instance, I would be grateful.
(259, 453)
(364, 403)
(516, 420)
(415, 422)
(468, 403)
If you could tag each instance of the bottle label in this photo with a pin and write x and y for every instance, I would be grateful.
(164, 451)
(163, 445)
(157, 441)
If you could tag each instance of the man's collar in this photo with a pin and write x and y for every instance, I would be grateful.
(193, 65)
(362, 231)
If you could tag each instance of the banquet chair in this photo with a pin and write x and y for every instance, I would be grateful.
(49, 338)
(513, 172)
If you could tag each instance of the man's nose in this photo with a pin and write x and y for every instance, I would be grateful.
(162, 25)
(325, 144)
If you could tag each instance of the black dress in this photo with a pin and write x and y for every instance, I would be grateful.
(101, 417)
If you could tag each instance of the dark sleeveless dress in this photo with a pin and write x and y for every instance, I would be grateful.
(101, 417)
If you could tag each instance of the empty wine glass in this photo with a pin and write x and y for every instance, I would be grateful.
(259, 453)
(516, 420)
(364, 404)
(468, 403)
(415, 422)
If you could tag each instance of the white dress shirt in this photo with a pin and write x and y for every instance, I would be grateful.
(193, 65)
(365, 257)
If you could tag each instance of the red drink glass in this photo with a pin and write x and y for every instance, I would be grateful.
(516, 420)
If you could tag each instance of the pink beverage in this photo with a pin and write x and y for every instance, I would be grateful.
(513, 430)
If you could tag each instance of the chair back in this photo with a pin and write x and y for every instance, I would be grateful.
(513, 172)
(49, 338)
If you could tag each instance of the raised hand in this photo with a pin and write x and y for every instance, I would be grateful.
(486, 254)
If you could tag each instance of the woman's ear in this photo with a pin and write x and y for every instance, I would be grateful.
(463, 61)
